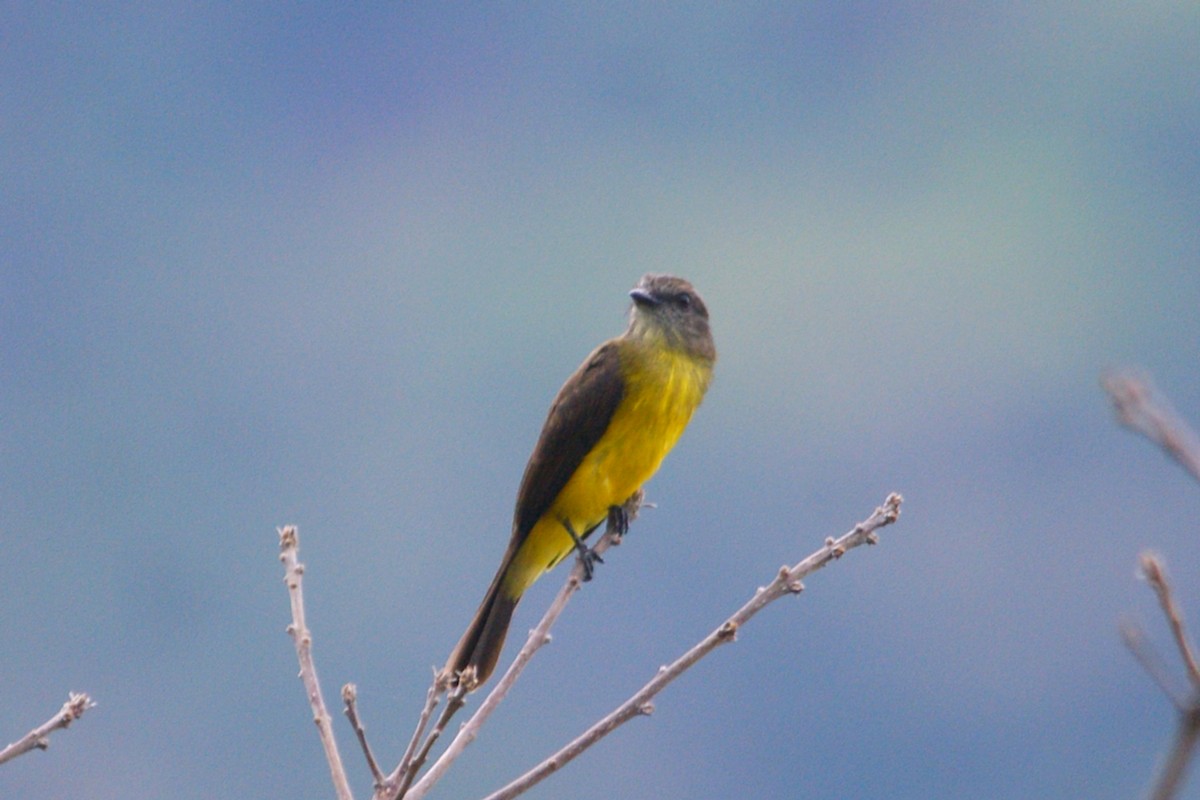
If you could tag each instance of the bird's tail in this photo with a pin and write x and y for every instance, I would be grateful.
(475, 656)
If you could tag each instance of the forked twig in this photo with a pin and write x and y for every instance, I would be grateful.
(405, 768)
(1140, 409)
(1152, 569)
(401, 782)
(539, 636)
(787, 581)
(1169, 779)
(456, 698)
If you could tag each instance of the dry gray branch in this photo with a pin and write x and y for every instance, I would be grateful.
(787, 581)
(1156, 575)
(39, 737)
(455, 700)
(1140, 408)
(404, 772)
(350, 700)
(1135, 639)
(1173, 770)
(401, 783)
(289, 547)
(539, 636)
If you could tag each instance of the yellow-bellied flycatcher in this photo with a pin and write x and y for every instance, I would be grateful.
(609, 428)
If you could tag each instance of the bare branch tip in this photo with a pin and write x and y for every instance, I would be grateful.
(1123, 387)
(77, 703)
(288, 537)
(1150, 567)
(1131, 632)
(891, 507)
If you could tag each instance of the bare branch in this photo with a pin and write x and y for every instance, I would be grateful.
(1156, 576)
(289, 546)
(1170, 776)
(1135, 639)
(1174, 768)
(350, 699)
(539, 636)
(401, 783)
(39, 737)
(1140, 409)
(455, 699)
(405, 772)
(787, 581)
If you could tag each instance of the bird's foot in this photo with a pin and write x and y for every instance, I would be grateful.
(587, 556)
(618, 520)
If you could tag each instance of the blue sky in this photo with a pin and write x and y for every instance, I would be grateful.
(302, 264)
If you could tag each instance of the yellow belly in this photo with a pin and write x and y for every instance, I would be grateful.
(662, 390)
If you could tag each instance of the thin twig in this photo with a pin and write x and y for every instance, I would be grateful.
(350, 699)
(1171, 774)
(456, 698)
(289, 545)
(1174, 768)
(787, 581)
(539, 636)
(1140, 409)
(405, 768)
(1156, 576)
(39, 737)
(1151, 661)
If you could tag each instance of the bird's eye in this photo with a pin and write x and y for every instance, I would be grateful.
(684, 301)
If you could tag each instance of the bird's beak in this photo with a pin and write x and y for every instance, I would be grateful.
(642, 297)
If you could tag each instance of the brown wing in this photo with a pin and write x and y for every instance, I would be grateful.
(578, 418)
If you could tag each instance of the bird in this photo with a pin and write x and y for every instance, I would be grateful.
(609, 428)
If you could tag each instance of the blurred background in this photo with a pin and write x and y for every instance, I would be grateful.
(324, 265)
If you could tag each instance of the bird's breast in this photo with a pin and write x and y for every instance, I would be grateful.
(662, 390)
